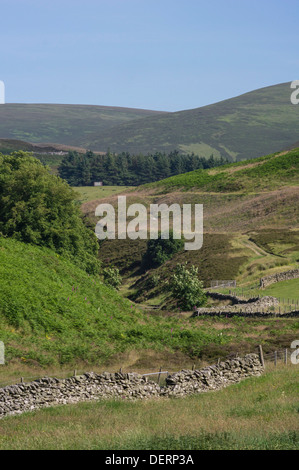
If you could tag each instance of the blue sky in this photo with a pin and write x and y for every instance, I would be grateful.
(154, 54)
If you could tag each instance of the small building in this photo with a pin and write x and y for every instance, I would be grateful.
(98, 183)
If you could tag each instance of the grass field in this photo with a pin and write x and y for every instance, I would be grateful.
(258, 413)
(284, 290)
(91, 193)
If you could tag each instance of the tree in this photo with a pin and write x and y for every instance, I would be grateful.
(160, 250)
(39, 208)
(187, 288)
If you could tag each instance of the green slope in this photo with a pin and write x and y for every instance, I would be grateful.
(265, 173)
(75, 125)
(248, 126)
(51, 313)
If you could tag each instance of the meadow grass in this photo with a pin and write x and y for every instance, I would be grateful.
(258, 413)
(91, 193)
(288, 290)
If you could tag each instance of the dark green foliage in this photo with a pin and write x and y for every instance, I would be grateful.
(160, 250)
(39, 208)
(112, 277)
(129, 170)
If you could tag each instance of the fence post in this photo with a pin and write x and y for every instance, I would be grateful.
(275, 358)
(261, 355)
(285, 356)
(159, 375)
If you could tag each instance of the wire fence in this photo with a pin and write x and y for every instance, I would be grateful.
(284, 305)
(276, 357)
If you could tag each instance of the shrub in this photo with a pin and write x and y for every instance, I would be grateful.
(112, 277)
(187, 288)
(160, 250)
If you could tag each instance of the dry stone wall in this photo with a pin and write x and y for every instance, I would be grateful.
(251, 306)
(214, 377)
(45, 392)
(285, 276)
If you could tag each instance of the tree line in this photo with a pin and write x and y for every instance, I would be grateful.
(129, 170)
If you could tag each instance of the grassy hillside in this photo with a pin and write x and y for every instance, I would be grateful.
(51, 313)
(54, 315)
(248, 126)
(75, 125)
(265, 173)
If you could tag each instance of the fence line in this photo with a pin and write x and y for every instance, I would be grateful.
(280, 355)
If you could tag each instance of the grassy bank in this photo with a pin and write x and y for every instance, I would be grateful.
(258, 413)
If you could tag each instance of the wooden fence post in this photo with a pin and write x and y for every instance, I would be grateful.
(159, 375)
(285, 356)
(275, 358)
(261, 355)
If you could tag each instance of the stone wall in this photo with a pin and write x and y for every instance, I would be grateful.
(278, 277)
(234, 299)
(223, 312)
(45, 392)
(254, 305)
(214, 377)
(16, 399)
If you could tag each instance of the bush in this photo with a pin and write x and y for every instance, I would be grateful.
(187, 288)
(112, 277)
(160, 250)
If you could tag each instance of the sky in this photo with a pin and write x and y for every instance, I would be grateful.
(166, 55)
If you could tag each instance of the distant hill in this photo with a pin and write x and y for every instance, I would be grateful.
(10, 145)
(49, 154)
(248, 126)
(76, 125)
